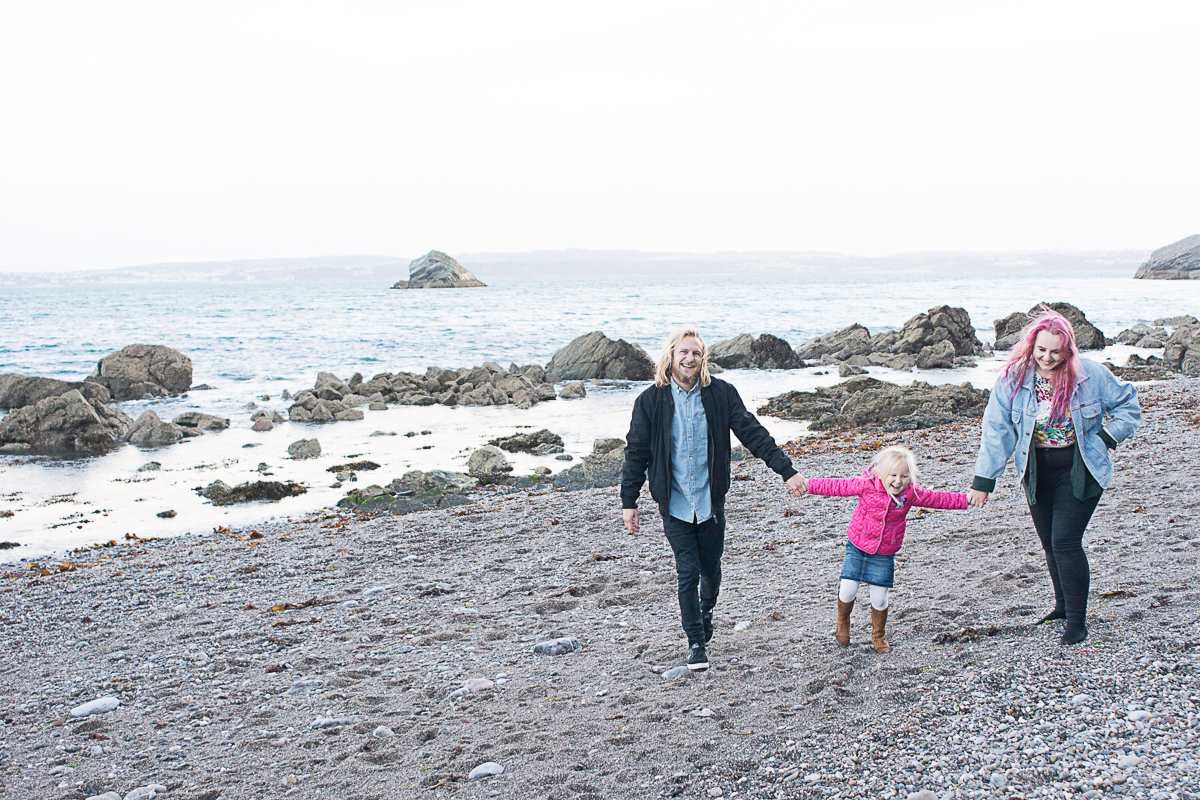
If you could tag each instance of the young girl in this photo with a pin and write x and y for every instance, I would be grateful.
(886, 490)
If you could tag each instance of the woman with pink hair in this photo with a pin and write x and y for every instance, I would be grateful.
(1049, 407)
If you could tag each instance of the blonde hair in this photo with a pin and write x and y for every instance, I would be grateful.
(662, 374)
(887, 459)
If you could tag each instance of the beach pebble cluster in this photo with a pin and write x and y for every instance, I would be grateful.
(524, 645)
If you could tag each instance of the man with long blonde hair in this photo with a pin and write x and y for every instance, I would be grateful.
(679, 438)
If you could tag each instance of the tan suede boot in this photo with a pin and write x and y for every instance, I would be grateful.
(843, 622)
(878, 630)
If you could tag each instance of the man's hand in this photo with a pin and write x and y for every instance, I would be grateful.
(976, 498)
(798, 484)
(632, 523)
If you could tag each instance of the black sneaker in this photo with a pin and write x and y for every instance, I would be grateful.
(708, 625)
(697, 658)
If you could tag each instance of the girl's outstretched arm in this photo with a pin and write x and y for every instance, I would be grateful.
(838, 487)
(927, 499)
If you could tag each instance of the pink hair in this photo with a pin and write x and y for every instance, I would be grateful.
(1065, 376)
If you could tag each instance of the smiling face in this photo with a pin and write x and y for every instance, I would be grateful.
(897, 479)
(686, 361)
(1048, 353)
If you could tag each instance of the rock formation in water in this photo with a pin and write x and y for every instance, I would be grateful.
(594, 356)
(1175, 262)
(436, 270)
(144, 371)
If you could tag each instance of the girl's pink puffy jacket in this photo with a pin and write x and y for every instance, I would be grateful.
(877, 525)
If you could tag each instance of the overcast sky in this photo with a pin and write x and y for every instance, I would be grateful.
(150, 132)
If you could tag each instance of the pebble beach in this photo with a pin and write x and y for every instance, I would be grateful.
(339, 656)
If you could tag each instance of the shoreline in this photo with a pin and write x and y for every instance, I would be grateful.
(223, 697)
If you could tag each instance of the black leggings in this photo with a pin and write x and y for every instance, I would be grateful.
(1060, 519)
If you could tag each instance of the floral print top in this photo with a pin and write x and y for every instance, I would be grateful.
(1048, 432)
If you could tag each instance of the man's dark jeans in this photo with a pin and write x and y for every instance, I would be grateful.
(698, 548)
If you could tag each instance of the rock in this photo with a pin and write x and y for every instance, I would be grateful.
(305, 448)
(1087, 335)
(488, 459)
(1181, 352)
(675, 673)
(557, 647)
(528, 442)
(853, 340)
(595, 471)
(846, 370)
(1178, 261)
(938, 356)
(105, 796)
(142, 371)
(383, 732)
(434, 482)
(436, 270)
(748, 352)
(486, 770)
(262, 424)
(18, 391)
(101, 705)
(607, 445)
(1175, 322)
(924, 794)
(265, 491)
(150, 466)
(65, 422)
(573, 391)
(865, 401)
(595, 356)
(170, 514)
(147, 792)
(201, 422)
(941, 324)
(150, 431)
(321, 723)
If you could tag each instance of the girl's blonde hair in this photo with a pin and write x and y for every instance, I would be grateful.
(662, 374)
(887, 459)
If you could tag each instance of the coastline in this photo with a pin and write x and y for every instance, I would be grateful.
(223, 697)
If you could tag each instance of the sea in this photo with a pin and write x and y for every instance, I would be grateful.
(250, 341)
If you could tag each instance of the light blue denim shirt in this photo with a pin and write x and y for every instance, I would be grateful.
(691, 497)
(1009, 420)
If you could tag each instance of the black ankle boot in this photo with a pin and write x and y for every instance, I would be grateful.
(1058, 612)
(1074, 632)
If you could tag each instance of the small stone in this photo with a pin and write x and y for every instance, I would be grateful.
(716, 791)
(168, 514)
(485, 770)
(105, 796)
(741, 626)
(703, 712)
(374, 590)
(676, 672)
(1139, 715)
(152, 466)
(321, 723)
(147, 792)
(924, 794)
(100, 705)
(557, 647)
(382, 732)
(60, 770)
(1081, 700)
(998, 780)
(1124, 762)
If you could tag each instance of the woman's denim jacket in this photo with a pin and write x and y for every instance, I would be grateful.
(1009, 420)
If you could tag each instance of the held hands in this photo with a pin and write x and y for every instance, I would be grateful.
(976, 498)
(632, 523)
(798, 485)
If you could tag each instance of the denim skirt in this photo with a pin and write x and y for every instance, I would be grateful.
(869, 568)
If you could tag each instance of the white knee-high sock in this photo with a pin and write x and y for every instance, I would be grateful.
(878, 597)
(847, 590)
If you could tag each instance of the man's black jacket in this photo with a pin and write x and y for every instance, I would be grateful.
(648, 445)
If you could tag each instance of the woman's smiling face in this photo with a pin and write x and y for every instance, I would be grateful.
(1048, 353)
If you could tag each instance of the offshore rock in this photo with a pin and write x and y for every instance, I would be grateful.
(486, 460)
(594, 355)
(573, 391)
(142, 371)
(865, 401)
(150, 431)
(853, 340)
(304, 448)
(65, 422)
(18, 391)
(265, 491)
(201, 422)
(528, 442)
(941, 324)
(748, 352)
(436, 270)
(1175, 262)
(1087, 335)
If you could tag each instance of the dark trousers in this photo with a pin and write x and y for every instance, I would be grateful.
(1060, 519)
(698, 548)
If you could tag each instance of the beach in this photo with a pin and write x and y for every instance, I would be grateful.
(331, 655)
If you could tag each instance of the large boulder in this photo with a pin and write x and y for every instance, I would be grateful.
(1179, 261)
(539, 443)
(17, 391)
(201, 422)
(65, 422)
(304, 448)
(436, 270)
(487, 460)
(142, 371)
(1142, 335)
(595, 471)
(864, 401)
(748, 352)
(594, 355)
(853, 340)
(150, 431)
(1087, 335)
(941, 324)
(1182, 350)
